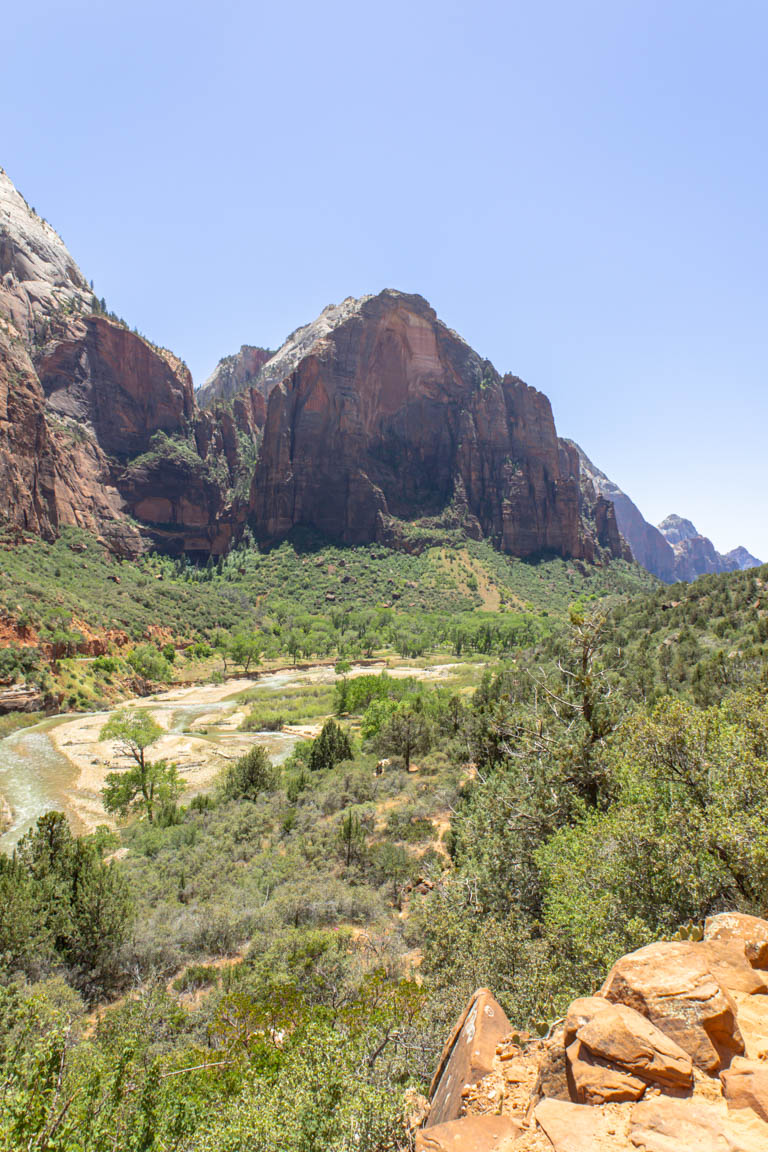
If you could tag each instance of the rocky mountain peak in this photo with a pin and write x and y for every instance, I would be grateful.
(379, 413)
(309, 338)
(38, 276)
(233, 374)
(676, 529)
(740, 559)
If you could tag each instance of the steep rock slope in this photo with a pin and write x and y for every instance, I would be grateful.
(649, 547)
(383, 413)
(235, 374)
(377, 414)
(673, 551)
(87, 408)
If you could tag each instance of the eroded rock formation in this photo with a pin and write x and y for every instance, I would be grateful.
(669, 1057)
(387, 414)
(98, 427)
(236, 374)
(372, 416)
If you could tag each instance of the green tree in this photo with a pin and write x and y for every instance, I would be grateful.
(244, 649)
(60, 902)
(156, 785)
(133, 730)
(147, 783)
(250, 775)
(149, 663)
(406, 732)
(330, 747)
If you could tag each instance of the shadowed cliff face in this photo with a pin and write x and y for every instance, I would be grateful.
(106, 376)
(390, 414)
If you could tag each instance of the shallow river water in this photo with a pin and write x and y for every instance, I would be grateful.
(36, 777)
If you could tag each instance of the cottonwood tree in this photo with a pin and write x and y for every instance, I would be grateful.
(147, 783)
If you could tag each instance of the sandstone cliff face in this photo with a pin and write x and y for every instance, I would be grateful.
(39, 280)
(235, 374)
(82, 402)
(385, 412)
(26, 453)
(373, 414)
(114, 381)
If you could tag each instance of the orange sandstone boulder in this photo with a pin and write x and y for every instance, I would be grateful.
(580, 1012)
(470, 1134)
(745, 1085)
(732, 970)
(666, 1124)
(598, 1083)
(672, 983)
(741, 931)
(622, 1037)
(468, 1056)
(577, 1128)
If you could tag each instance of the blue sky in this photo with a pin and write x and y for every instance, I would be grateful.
(580, 189)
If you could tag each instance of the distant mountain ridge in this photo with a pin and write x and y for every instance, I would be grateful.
(675, 550)
(372, 416)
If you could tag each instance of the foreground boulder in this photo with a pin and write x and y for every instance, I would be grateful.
(742, 931)
(620, 1038)
(653, 1063)
(745, 1085)
(468, 1056)
(673, 985)
(664, 1124)
(576, 1128)
(472, 1134)
(596, 1082)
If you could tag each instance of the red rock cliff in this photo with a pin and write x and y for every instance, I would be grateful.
(385, 412)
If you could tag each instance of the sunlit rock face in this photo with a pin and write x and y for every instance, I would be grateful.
(384, 412)
(82, 402)
(372, 415)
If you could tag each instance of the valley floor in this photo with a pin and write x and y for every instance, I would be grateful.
(202, 734)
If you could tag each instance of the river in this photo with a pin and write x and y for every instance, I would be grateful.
(39, 773)
(61, 763)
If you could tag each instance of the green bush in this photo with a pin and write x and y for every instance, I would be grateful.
(249, 776)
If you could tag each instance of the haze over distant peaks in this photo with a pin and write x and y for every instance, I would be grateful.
(673, 551)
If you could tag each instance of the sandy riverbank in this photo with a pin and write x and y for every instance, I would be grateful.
(201, 732)
(200, 758)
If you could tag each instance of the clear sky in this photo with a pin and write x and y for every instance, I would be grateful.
(579, 187)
